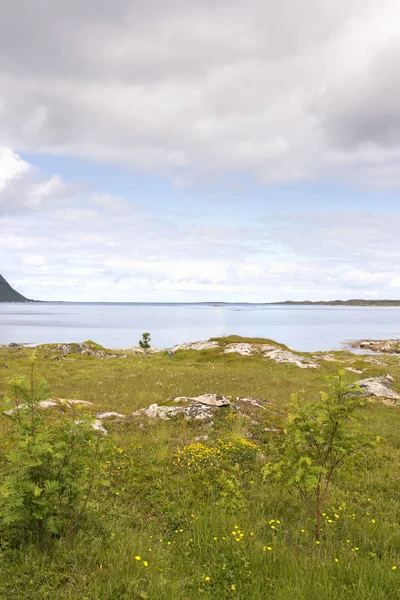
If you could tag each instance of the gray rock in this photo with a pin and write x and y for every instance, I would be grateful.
(48, 404)
(110, 415)
(64, 349)
(255, 402)
(206, 399)
(380, 387)
(244, 349)
(285, 356)
(194, 411)
(195, 346)
(203, 407)
(266, 347)
(97, 425)
(74, 402)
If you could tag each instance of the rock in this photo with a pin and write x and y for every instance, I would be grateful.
(194, 411)
(285, 356)
(255, 402)
(353, 370)
(386, 346)
(64, 349)
(48, 404)
(74, 402)
(329, 358)
(110, 415)
(195, 346)
(206, 399)
(203, 407)
(380, 387)
(376, 361)
(97, 425)
(266, 347)
(138, 350)
(84, 349)
(244, 349)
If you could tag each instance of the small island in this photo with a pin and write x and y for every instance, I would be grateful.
(351, 302)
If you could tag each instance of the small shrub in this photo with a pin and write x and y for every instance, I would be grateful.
(320, 436)
(50, 468)
(145, 341)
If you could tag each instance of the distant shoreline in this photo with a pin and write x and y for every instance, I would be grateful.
(355, 303)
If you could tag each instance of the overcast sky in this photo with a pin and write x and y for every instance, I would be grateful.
(174, 150)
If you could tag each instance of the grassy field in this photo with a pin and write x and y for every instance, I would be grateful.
(184, 517)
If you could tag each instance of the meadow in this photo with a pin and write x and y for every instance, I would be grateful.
(180, 510)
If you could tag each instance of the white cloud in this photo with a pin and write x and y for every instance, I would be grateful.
(97, 247)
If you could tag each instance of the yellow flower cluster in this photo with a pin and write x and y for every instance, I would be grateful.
(198, 455)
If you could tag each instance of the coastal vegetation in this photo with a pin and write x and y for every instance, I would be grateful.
(173, 508)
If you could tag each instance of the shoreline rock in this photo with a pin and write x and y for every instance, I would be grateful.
(384, 346)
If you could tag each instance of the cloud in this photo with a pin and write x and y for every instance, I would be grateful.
(25, 189)
(288, 91)
(90, 247)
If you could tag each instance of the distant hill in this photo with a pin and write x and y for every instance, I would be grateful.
(353, 302)
(8, 294)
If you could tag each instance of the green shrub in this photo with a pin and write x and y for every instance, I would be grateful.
(320, 436)
(50, 468)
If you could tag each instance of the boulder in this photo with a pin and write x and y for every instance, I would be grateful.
(380, 387)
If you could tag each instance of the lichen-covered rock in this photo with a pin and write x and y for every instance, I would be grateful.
(285, 356)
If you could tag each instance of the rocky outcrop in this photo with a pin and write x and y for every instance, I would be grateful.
(202, 408)
(379, 387)
(384, 346)
(285, 356)
(84, 349)
(195, 346)
(244, 349)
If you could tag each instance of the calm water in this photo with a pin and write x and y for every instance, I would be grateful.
(305, 328)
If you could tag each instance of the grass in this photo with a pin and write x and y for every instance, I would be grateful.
(207, 525)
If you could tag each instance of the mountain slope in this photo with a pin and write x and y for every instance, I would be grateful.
(8, 294)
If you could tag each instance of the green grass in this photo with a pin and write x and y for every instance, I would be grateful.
(179, 518)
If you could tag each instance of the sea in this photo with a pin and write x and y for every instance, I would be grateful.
(303, 328)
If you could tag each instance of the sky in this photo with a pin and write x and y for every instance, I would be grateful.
(200, 150)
